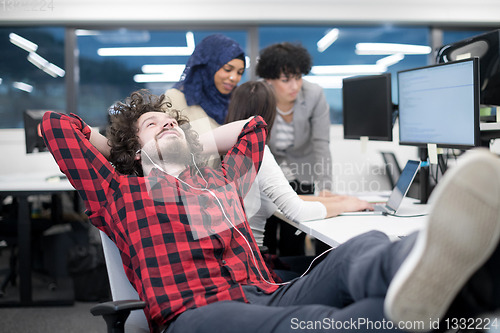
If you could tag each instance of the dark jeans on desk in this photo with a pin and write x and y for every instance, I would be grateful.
(347, 286)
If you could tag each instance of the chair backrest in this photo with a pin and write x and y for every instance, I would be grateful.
(121, 289)
(393, 170)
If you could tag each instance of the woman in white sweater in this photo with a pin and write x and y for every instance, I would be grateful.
(271, 190)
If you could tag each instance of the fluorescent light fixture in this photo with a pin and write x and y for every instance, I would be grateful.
(156, 69)
(54, 69)
(22, 42)
(49, 71)
(327, 82)
(388, 48)
(348, 69)
(151, 51)
(328, 40)
(190, 40)
(145, 78)
(390, 60)
(37, 60)
(23, 86)
(83, 32)
(45, 66)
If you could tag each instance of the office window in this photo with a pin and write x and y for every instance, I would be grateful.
(31, 72)
(106, 77)
(345, 50)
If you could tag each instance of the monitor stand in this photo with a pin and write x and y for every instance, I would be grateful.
(424, 177)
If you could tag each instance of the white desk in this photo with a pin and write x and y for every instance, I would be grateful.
(337, 230)
(21, 186)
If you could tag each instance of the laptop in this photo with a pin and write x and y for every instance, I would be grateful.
(398, 193)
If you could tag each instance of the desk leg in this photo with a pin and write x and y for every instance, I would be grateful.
(24, 236)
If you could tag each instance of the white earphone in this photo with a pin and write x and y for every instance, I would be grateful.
(227, 218)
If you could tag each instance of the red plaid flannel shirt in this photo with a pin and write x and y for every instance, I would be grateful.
(177, 250)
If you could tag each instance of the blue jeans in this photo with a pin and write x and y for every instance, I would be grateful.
(346, 289)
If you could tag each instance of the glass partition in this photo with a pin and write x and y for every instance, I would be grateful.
(344, 51)
(31, 72)
(114, 63)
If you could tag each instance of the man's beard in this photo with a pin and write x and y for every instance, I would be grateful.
(176, 152)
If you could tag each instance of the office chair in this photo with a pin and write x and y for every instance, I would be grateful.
(392, 168)
(393, 171)
(117, 313)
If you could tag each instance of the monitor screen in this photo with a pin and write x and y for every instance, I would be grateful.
(368, 107)
(34, 143)
(440, 104)
(487, 47)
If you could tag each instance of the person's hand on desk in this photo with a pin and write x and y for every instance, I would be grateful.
(343, 203)
(326, 193)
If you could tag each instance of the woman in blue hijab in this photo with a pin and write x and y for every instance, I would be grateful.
(211, 74)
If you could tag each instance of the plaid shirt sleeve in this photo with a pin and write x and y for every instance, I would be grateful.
(242, 162)
(67, 138)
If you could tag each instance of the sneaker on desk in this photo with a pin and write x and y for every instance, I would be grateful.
(463, 233)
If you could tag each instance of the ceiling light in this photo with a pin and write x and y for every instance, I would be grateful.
(388, 48)
(55, 69)
(390, 60)
(190, 40)
(348, 69)
(45, 66)
(151, 51)
(23, 86)
(22, 42)
(328, 40)
(37, 60)
(145, 78)
(83, 32)
(156, 69)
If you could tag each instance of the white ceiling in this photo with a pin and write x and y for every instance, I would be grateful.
(171, 12)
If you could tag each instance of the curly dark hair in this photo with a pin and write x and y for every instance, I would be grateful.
(287, 58)
(122, 133)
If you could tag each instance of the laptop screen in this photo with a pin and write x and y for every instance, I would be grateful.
(403, 184)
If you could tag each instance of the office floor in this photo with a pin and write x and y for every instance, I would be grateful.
(63, 319)
(56, 319)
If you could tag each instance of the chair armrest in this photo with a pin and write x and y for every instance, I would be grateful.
(117, 307)
(115, 313)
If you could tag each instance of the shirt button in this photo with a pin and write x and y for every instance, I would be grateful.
(212, 231)
(223, 262)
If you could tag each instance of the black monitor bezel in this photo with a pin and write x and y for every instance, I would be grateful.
(475, 61)
(388, 115)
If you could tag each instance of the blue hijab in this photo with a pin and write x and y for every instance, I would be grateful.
(197, 81)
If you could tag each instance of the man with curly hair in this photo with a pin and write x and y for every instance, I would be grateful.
(188, 250)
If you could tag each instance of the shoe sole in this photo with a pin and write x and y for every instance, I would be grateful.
(426, 283)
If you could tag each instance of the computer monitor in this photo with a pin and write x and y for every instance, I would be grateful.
(32, 119)
(368, 108)
(487, 47)
(440, 104)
